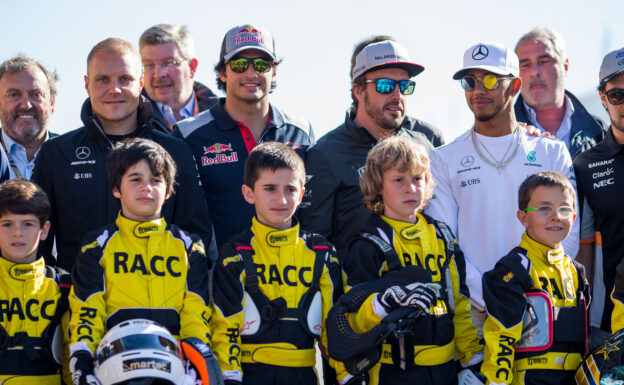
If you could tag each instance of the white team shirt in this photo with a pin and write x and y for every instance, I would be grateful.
(480, 205)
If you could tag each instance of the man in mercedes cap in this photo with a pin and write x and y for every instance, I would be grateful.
(602, 218)
(381, 73)
(477, 175)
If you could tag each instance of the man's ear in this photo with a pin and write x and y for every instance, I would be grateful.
(193, 65)
(516, 84)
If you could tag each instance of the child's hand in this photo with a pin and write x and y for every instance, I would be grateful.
(417, 295)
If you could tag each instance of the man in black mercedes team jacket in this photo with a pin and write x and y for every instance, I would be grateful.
(71, 168)
(333, 203)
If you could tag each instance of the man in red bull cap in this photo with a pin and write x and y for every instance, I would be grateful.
(223, 136)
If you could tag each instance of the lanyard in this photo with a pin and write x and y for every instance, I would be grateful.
(195, 112)
(11, 161)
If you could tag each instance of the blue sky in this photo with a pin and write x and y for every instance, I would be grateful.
(316, 39)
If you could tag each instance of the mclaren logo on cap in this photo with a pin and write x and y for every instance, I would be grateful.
(480, 52)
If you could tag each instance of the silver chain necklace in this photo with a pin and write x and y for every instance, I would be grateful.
(499, 165)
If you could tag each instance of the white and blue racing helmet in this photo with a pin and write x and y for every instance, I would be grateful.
(136, 350)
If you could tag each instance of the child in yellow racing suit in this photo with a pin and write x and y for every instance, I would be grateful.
(139, 266)
(536, 296)
(275, 283)
(33, 297)
(397, 184)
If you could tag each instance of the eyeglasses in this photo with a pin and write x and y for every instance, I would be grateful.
(387, 86)
(240, 65)
(615, 96)
(490, 82)
(546, 211)
(167, 64)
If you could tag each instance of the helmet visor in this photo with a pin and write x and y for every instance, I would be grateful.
(134, 342)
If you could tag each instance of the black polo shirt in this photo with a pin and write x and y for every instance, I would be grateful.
(600, 181)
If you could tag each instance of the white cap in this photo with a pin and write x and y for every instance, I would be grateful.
(612, 65)
(492, 57)
(384, 54)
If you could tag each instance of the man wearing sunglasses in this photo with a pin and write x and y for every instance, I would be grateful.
(223, 136)
(169, 65)
(544, 102)
(478, 175)
(600, 190)
(382, 72)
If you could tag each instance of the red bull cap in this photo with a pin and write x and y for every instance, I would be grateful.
(244, 37)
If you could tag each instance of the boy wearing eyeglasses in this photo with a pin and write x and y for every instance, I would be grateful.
(223, 136)
(600, 189)
(536, 296)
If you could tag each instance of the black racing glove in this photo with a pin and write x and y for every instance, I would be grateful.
(81, 367)
(417, 295)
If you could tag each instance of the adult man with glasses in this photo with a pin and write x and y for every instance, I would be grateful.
(169, 66)
(598, 171)
(27, 96)
(223, 136)
(381, 73)
(544, 102)
(477, 175)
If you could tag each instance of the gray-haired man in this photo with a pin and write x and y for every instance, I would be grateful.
(169, 65)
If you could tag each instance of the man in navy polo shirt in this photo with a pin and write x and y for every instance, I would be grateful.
(223, 136)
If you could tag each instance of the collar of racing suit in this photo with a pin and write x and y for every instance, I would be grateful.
(22, 271)
(93, 126)
(128, 227)
(274, 237)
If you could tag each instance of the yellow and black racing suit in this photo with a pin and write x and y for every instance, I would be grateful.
(277, 273)
(139, 270)
(33, 303)
(534, 268)
(438, 338)
(617, 296)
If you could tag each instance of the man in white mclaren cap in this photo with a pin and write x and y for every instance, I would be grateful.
(382, 72)
(477, 175)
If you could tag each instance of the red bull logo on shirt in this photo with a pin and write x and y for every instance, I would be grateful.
(219, 157)
(249, 34)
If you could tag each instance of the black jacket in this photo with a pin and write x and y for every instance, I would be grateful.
(205, 98)
(586, 131)
(333, 202)
(71, 169)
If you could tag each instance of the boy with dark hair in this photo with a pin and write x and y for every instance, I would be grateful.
(397, 184)
(33, 297)
(274, 283)
(140, 266)
(536, 296)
